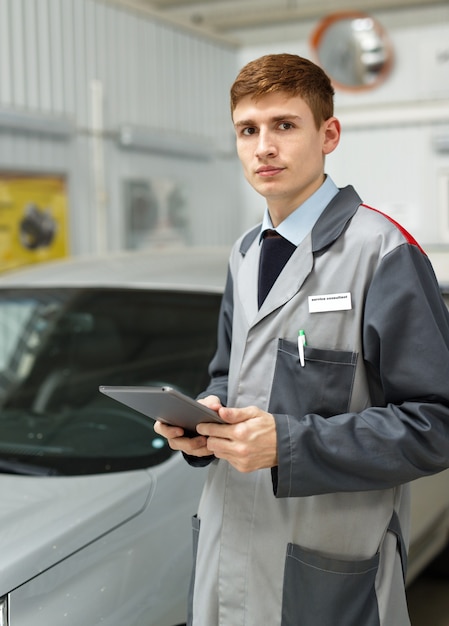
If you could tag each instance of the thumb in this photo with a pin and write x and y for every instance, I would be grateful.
(234, 416)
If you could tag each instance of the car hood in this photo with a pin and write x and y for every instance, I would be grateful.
(43, 520)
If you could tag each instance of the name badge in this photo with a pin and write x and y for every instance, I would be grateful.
(330, 302)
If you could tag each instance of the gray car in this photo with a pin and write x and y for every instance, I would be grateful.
(95, 512)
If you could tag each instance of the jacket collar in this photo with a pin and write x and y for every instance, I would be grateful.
(334, 218)
(327, 229)
(330, 224)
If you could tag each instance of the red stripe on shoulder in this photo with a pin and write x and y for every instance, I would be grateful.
(411, 240)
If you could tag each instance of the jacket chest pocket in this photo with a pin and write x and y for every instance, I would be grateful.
(323, 386)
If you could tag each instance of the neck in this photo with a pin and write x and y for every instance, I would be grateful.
(280, 208)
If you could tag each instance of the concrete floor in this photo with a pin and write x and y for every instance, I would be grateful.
(428, 601)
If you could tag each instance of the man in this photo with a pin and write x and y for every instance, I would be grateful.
(334, 388)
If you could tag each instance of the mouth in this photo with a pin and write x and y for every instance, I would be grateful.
(265, 171)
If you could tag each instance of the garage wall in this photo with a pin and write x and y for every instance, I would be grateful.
(115, 101)
(108, 97)
(390, 148)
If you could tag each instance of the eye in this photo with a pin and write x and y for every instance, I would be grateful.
(250, 130)
(285, 125)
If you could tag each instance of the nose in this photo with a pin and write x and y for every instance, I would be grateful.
(266, 146)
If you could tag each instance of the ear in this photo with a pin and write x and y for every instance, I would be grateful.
(331, 135)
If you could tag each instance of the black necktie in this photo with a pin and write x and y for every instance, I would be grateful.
(274, 254)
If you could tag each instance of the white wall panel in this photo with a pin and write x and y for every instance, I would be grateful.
(44, 55)
(18, 56)
(68, 52)
(150, 75)
(80, 60)
(387, 149)
(153, 75)
(56, 56)
(6, 67)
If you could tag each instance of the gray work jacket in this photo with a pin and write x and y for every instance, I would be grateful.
(320, 540)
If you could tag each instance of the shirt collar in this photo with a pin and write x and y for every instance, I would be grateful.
(299, 223)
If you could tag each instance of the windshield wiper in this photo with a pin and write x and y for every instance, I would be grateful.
(26, 469)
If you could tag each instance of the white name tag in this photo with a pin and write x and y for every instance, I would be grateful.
(330, 302)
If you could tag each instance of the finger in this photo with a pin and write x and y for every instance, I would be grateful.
(234, 416)
(212, 402)
(195, 446)
(169, 432)
(224, 447)
(209, 429)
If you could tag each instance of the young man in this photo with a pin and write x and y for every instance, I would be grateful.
(334, 388)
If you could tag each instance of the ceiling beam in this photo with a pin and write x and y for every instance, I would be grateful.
(143, 8)
(265, 15)
(161, 4)
(216, 20)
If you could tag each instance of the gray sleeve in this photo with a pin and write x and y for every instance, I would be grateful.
(406, 434)
(219, 366)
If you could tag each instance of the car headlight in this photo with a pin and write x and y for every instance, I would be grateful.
(4, 611)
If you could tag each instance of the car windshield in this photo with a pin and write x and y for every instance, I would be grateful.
(57, 346)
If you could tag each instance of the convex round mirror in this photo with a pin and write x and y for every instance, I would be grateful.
(353, 49)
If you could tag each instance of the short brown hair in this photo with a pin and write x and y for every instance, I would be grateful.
(288, 73)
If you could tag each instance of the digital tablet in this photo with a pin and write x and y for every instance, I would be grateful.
(165, 404)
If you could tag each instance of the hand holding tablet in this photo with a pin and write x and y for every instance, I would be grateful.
(164, 404)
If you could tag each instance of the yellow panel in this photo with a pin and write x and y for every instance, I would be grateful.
(33, 219)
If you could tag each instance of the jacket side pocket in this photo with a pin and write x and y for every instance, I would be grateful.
(322, 591)
(195, 538)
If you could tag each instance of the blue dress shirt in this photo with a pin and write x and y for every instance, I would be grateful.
(299, 223)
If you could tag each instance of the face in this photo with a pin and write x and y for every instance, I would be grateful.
(281, 150)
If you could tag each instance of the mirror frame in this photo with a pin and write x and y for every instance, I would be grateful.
(330, 20)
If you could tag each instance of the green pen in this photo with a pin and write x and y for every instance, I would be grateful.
(301, 344)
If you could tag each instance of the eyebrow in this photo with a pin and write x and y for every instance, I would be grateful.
(275, 118)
